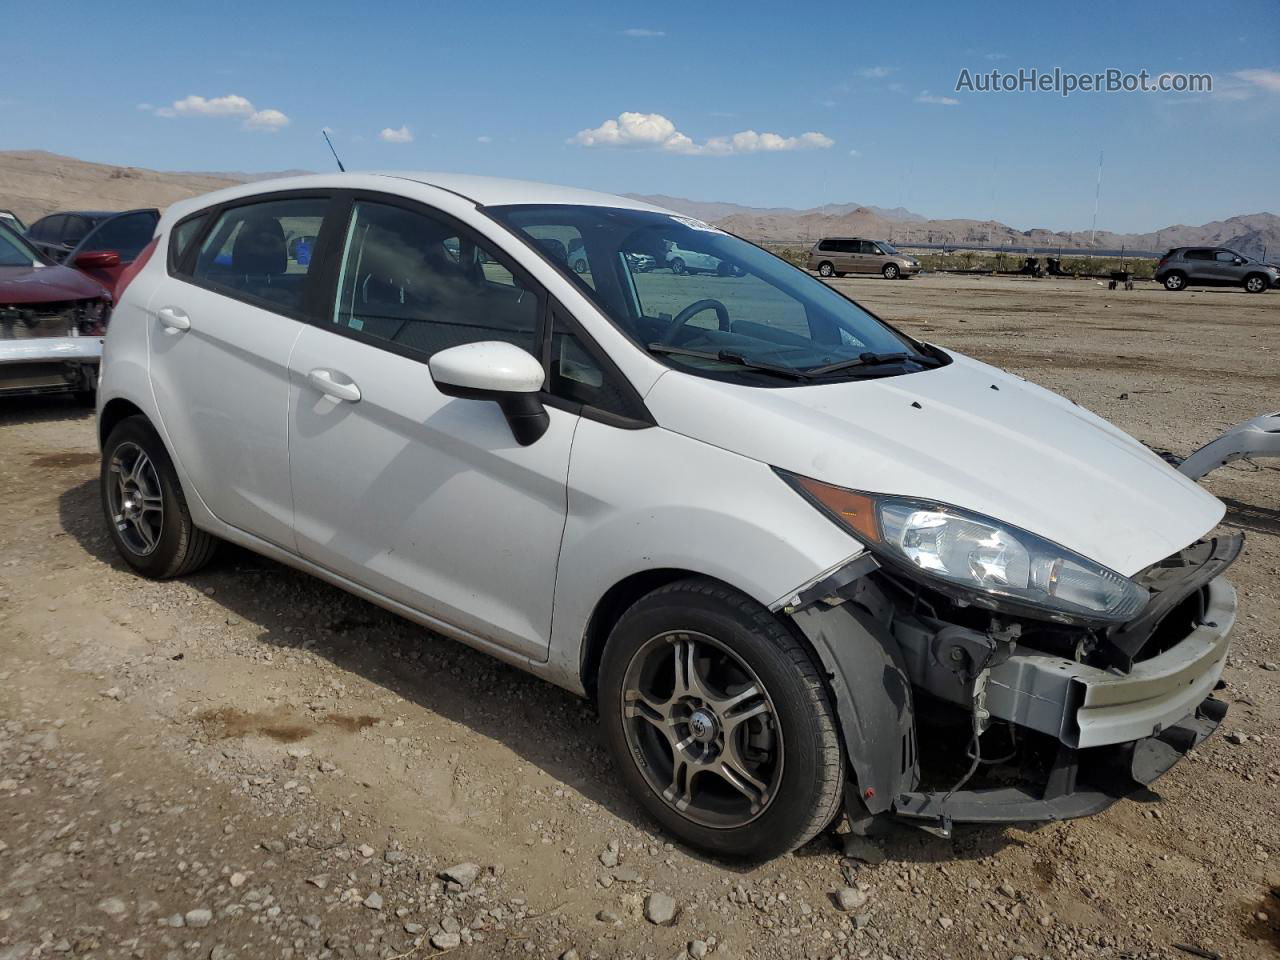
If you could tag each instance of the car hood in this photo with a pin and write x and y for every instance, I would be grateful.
(46, 284)
(965, 434)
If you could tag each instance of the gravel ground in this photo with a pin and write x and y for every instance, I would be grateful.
(249, 763)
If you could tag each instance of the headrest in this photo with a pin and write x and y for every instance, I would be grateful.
(555, 249)
(259, 248)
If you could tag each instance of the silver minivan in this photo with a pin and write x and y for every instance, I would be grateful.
(838, 256)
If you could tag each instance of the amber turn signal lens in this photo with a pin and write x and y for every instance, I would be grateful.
(856, 510)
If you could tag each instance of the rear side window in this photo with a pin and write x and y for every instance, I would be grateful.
(1199, 255)
(248, 252)
(415, 283)
(829, 245)
(126, 235)
(48, 230)
(75, 230)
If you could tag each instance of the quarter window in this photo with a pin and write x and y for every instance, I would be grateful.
(248, 252)
(414, 281)
(183, 234)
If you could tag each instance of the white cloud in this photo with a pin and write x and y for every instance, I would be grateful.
(403, 135)
(927, 97)
(654, 131)
(484, 139)
(232, 105)
(643, 32)
(875, 73)
(1268, 80)
(268, 121)
(855, 153)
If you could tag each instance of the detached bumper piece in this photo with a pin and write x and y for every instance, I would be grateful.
(1080, 782)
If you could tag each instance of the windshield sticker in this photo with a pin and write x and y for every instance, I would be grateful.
(693, 224)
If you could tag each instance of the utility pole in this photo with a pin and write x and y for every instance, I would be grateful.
(1097, 193)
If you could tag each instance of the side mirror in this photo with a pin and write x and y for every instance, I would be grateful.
(1239, 261)
(497, 371)
(97, 259)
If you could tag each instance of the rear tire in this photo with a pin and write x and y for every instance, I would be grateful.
(677, 266)
(1256, 283)
(145, 509)
(826, 270)
(783, 736)
(1175, 281)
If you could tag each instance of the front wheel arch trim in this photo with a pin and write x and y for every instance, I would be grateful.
(116, 410)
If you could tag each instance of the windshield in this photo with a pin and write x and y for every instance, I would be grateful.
(14, 251)
(707, 301)
(887, 247)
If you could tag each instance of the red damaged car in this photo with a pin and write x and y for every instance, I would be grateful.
(52, 320)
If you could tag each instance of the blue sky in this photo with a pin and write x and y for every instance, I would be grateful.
(527, 90)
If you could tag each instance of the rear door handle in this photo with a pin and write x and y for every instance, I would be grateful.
(323, 380)
(173, 318)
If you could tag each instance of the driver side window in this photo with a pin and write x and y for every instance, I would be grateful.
(412, 281)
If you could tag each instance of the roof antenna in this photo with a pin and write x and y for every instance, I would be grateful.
(324, 132)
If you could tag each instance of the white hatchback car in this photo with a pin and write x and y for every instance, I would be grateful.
(793, 554)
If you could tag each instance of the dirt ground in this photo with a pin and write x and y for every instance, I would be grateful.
(249, 763)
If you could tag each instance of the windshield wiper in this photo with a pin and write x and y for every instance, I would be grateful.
(872, 360)
(727, 356)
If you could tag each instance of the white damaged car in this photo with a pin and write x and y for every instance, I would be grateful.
(801, 561)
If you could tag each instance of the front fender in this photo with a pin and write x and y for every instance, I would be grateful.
(678, 504)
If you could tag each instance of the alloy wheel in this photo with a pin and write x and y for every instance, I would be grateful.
(702, 729)
(135, 499)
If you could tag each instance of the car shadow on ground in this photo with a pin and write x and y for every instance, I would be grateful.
(544, 725)
(58, 406)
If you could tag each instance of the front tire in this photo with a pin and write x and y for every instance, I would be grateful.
(891, 271)
(1256, 283)
(719, 723)
(145, 509)
(1175, 281)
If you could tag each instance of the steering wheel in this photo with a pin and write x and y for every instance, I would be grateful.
(692, 310)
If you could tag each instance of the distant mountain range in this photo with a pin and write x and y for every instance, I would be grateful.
(33, 183)
(1251, 234)
(712, 211)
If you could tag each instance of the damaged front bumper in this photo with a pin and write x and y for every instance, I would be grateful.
(1103, 723)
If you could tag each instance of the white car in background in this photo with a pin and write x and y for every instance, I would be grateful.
(796, 556)
(683, 260)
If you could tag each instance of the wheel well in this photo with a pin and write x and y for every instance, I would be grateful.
(1257, 273)
(609, 610)
(115, 411)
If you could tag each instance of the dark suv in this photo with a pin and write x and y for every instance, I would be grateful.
(1184, 267)
(99, 243)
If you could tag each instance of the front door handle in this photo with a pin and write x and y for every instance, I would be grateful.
(173, 318)
(324, 381)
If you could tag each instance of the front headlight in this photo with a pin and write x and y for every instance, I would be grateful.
(982, 560)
